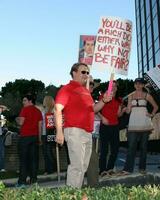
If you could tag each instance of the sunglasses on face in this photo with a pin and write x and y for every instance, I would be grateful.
(24, 100)
(85, 72)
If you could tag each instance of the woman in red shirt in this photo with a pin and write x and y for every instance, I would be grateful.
(109, 132)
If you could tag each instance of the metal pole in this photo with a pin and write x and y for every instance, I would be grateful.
(97, 142)
(58, 163)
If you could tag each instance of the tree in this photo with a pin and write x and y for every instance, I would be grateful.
(125, 88)
(23, 86)
(51, 90)
(13, 92)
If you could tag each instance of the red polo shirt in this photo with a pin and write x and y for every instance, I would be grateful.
(32, 117)
(110, 111)
(78, 106)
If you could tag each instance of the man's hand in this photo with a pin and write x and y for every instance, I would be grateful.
(59, 138)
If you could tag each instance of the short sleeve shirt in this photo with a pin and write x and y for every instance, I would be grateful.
(32, 117)
(78, 106)
(110, 111)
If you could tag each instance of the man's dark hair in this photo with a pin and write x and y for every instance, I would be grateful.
(84, 42)
(30, 97)
(76, 66)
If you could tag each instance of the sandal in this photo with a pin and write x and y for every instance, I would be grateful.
(124, 173)
(105, 173)
(111, 172)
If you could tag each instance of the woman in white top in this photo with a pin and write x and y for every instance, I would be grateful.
(139, 127)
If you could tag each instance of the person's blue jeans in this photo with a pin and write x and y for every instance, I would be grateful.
(133, 139)
(1, 152)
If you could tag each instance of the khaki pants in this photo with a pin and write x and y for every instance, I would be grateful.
(93, 168)
(79, 144)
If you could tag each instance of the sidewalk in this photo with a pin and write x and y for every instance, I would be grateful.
(43, 180)
(152, 176)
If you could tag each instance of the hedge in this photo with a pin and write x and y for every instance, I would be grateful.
(66, 193)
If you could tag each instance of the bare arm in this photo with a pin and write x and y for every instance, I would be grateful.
(98, 106)
(129, 105)
(20, 120)
(39, 131)
(120, 111)
(153, 103)
(58, 123)
(103, 119)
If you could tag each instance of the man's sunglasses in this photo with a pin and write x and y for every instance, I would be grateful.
(85, 72)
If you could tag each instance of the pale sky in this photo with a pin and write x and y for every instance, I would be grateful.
(39, 39)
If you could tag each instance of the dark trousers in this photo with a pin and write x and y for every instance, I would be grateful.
(133, 139)
(49, 157)
(92, 171)
(1, 152)
(109, 137)
(28, 151)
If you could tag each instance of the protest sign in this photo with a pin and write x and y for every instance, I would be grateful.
(109, 90)
(153, 77)
(86, 49)
(113, 45)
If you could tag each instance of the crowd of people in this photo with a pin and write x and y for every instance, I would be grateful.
(1, 143)
(3, 131)
(74, 102)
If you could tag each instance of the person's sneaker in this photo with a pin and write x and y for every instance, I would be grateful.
(2, 170)
(20, 185)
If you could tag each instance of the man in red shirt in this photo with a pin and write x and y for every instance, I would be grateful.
(30, 121)
(75, 100)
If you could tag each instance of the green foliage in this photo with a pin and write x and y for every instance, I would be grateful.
(13, 102)
(13, 92)
(66, 193)
(2, 190)
(125, 87)
(51, 90)
(23, 86)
